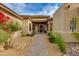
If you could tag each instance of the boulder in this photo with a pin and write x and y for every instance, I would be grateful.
(16, 34)
(18, 42)
(1, 48)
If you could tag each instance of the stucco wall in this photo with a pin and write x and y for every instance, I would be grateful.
(58, 20)
(62, 17)
(25, 27)
(11, 16)
(61, 20)
(70, 13)
(48, 27)
(40, 20)
(29, 22)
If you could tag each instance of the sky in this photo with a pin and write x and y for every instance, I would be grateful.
(34, 8)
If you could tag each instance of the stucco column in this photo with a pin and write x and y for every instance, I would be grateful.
(24, 27)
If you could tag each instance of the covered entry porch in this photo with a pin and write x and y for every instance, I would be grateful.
(37, 24)
(40, 27)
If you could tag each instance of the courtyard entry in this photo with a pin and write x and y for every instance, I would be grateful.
(37, 24)
(40, 27)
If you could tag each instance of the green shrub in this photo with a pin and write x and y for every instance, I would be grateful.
(76, 35)
(13, 26)
(59, 41)
(49, 33)
(51, 37)
(4, 36)
(1, 26)
(57, 38)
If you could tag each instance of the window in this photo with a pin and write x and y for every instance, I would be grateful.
(29, 26)
(73, 24)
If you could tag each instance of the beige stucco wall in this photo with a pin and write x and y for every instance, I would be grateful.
(36, 28)
(62, 17)
(30, 32)
(48, 23)
(73, 11)
(39, 20)
(61, 20)
(25, 27)
(58, 20)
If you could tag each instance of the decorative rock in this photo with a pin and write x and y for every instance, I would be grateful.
(16, 34)
(1, 48)
(73, 50)
(18, 47)
(20, 43)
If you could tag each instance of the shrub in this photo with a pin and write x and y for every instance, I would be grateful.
(59, 41)
(51, 37)
(4, 36)
(49, 33)
(13, 26)
(57, 38)
(1, 26)
(76, 35)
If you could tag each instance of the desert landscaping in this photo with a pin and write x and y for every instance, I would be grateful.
(40, 35)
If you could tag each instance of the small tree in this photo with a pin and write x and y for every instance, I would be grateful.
(13, 26)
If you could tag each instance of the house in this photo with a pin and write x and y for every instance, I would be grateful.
(30, 24)
(36, 24)
(10, 14)
(62, 18)
(65, 20)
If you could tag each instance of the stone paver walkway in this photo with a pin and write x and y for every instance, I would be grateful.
(40, 47)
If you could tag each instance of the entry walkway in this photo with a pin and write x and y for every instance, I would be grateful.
(41, 47)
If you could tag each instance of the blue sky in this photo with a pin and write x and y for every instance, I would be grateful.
(34, 8)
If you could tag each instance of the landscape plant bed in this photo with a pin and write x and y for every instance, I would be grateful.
(4, 39)
(72, 49)
(13, 27)
(51, 37)
(57, 38)
(4, 36)
(76, 35)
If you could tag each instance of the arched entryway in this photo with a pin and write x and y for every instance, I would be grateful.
(40, 28)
